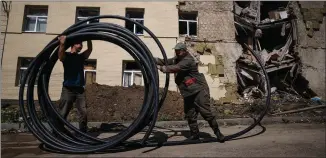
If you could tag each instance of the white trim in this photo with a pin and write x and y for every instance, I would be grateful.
(84, 18)
(26, 84)
(188, 20)
(36, 21)
(132, 77)
(139, 19)
(88, 70)
(188, 26)
(36, 16)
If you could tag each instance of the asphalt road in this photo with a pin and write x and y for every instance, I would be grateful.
(281, 140)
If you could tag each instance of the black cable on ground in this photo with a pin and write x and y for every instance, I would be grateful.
(61, 140)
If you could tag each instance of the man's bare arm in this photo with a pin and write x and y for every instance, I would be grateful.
(61, 51)
(89, 50)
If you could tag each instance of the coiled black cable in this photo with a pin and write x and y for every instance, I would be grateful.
(41, 69)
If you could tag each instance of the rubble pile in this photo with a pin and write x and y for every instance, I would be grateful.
(269, 30)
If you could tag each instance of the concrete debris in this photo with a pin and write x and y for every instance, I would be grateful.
(274, 40)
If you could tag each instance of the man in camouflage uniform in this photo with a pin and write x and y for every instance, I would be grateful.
(193, 87)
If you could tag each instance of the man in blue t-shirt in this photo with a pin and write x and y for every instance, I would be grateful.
(74, 81)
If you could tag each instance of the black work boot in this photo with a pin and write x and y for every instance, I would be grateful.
(193, 136)
(220, 137)
(194, 131)
(213, 124)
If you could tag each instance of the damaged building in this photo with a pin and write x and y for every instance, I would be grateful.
(289, 38)
(280, 33)
(270, 30)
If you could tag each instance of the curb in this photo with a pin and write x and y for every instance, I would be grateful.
(201, 123)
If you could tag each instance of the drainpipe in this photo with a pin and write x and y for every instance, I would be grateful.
(6, 5)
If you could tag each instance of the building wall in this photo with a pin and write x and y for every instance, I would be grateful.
(312, 50)
(109, 57)
(160, 17)
(216, 31)
(214, 19)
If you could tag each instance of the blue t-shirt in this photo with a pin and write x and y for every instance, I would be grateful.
(73, 65)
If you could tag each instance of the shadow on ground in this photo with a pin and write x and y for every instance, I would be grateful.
(157, 140)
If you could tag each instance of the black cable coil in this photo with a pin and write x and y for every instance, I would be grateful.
(41, 69)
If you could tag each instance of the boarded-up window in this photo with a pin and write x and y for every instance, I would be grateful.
(90, 71)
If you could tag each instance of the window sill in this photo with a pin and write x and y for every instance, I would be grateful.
(32, 32)
(191, 36)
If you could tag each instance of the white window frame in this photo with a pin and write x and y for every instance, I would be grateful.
(135, 27)
(188, 26)
(88, 70)
(83, 18)
(132, 77)
(35, 26)
(26, 84)
(22, 68)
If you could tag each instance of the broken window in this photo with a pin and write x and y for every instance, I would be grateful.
(188, 23)
(136, 14)
(131, 74)
(261, 11)
(90, 71)
(83, 13)
(35, 18)
(272, 10)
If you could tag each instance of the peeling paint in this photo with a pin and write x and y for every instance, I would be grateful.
(231, 95)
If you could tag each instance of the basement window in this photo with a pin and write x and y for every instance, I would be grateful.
(35, 18)
(83, 13)
(22, 65)
(136, 14)
(90, 71)
(188, 23)
(131, 74)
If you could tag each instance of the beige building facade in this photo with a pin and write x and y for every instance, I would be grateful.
(32, 25)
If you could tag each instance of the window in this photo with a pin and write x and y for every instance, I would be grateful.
(188, 23)
(131, 74)
(90, 71)
(35, 18)
(83, 13)
(22, 65)
(137, 15)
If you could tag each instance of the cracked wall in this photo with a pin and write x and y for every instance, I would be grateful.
(216, 42)
(311, 46)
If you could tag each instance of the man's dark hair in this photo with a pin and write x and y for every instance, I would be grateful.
(75, 42)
